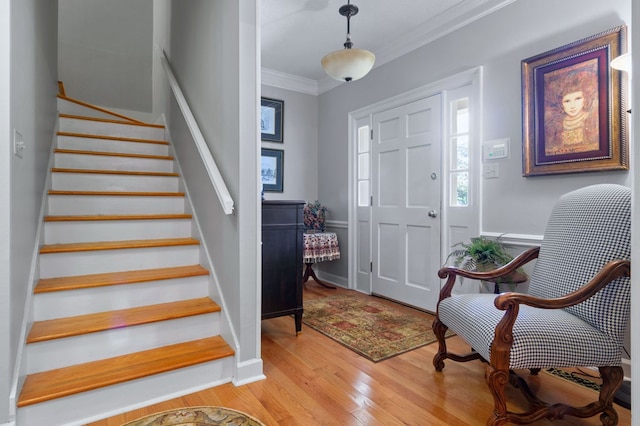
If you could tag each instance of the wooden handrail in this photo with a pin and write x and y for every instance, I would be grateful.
(100, 109)
(205, 153)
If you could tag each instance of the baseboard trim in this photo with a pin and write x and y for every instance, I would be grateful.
(248, 372)
(333, 279)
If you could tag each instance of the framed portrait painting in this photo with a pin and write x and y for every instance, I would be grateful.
(271, 169)
(271, 119)
(574, 108)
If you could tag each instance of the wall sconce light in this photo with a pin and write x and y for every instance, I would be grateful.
(622, 63)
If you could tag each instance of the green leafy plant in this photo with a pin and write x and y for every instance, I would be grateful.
(481, 254)
(484, 254)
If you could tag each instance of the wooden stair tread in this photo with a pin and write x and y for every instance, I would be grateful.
(46, 285)
(92, 323)
(100, 217)
(48, 385)
(97, 108)
(118, 193)
(115, 245)
(112, 138)
(114, 172)
(110, 120)
(113, 154)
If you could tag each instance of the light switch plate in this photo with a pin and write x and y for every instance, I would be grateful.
(18, 144)
(491, 171)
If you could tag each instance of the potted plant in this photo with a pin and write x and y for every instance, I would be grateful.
(314, 215)
(484, 254)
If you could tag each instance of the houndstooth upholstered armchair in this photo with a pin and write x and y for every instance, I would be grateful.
(574, 315)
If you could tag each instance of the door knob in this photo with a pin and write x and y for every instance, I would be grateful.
(432, 213)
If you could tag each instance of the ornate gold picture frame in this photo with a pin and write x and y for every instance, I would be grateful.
(574, 108)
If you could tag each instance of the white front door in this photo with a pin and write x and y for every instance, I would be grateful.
(405, 212)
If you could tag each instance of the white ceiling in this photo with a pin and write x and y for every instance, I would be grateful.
(296, 34)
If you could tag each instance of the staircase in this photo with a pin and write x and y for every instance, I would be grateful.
(122, 313)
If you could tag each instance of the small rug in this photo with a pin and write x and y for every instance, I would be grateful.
(574, 378)
(197, 416)
(369, 328)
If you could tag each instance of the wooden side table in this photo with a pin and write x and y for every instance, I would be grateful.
(319, 247)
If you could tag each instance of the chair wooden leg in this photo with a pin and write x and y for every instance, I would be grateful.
(439, 329)
(497, 381)
(612, 378)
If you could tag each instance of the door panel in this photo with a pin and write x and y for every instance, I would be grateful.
(406, 189)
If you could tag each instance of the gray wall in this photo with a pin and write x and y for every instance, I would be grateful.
(219, 80)
(498, 42)
(113, 42)
(300, 145)
(33, 89)
(635, 248)
(7, 348)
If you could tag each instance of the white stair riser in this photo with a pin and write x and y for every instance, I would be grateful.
(106, 145)
(91, 127)
(80, 409)
(107, 182)
(102, 261)
(60, 304)
(55, 353)
(109, 162)
(115, 230)
(72, 108)
(114, 204)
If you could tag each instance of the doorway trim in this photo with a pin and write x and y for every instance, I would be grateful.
(471, 77)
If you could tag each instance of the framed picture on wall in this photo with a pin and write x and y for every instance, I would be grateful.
(271, 119)
(271, 169)
(574, 108)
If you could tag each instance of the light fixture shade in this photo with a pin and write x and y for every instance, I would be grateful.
(348, 64)
(622, 62)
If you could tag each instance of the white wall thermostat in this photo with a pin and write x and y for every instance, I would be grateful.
(496, 149)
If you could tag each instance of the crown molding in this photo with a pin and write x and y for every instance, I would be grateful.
(443, 24)
(287, 81)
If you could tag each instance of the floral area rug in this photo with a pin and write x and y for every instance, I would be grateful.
(369, 328)
(197, 416)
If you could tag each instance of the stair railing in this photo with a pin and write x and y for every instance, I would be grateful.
(205, 153)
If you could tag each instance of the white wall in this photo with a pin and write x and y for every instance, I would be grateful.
(498, 42)
(161, 37)
(113, 42)
(7, 349)
(300, 145)
(213, 47)
(32, 91)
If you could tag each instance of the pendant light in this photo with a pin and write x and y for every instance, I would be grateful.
(348, 64)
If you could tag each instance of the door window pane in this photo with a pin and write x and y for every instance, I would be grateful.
(363, 166)
(460, 189)
(459, 149)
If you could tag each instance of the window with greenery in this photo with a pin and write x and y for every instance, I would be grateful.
(363, 166)
(459, 152)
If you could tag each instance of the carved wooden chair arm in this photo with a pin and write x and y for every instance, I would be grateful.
(609, 272)
(451, 272)
(510, 302)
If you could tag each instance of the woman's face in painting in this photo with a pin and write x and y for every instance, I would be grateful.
(572, 103)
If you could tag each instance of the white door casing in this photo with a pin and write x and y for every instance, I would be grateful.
(457, 223)
(406, 208)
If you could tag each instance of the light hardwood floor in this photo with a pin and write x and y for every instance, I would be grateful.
(312, 380)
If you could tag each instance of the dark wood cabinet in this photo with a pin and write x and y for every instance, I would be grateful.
(282, 246)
